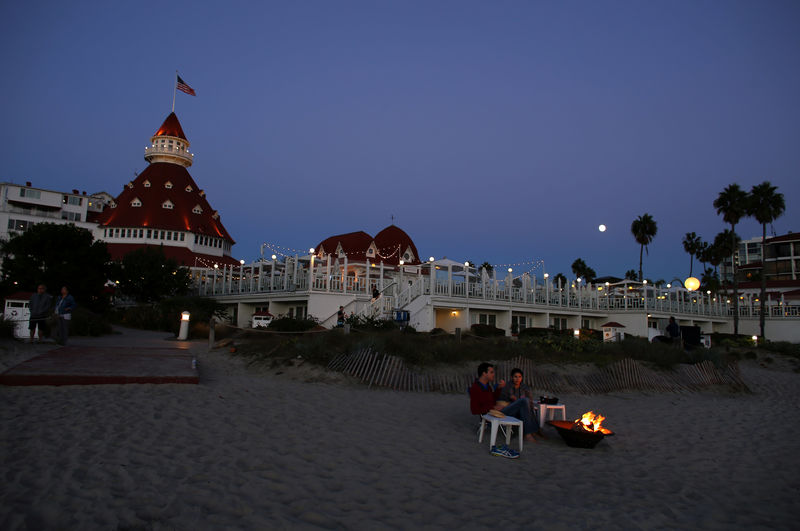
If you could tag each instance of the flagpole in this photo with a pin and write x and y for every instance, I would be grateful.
(174, 90)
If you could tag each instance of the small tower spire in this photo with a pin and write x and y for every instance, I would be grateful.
(169, 144)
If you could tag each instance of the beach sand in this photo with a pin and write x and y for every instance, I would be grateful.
(251, 449)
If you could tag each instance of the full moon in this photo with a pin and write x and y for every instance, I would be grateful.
(601, 228)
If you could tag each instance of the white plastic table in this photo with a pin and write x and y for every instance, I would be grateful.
(496, 423)
(545, 409)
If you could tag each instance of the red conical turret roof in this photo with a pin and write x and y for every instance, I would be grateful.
(171, 127)
(159, 183)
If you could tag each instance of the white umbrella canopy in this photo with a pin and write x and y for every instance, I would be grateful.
(458, 267)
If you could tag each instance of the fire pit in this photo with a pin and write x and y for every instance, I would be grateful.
(585, 432)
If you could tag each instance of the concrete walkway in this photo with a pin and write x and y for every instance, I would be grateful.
(127, 356)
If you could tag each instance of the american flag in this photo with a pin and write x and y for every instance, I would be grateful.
(183, 87)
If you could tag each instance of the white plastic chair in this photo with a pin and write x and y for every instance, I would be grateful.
(505, 423)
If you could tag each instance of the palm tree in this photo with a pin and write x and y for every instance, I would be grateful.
(644, 230)
(630, 274)
(732, 204)
(691, 244)
(766, 205)
(487, 267)
(703, 253)
(580, 269)
(559, 279)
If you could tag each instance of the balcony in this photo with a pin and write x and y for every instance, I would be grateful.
(160, 153)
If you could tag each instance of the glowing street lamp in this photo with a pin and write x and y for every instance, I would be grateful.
(691, 283)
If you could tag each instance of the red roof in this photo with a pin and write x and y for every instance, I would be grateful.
(171, 127)
(354, 244)
(151, 213)
(182, 255)
(392, 242)
(20, 296)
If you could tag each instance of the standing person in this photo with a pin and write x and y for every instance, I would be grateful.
(674, 331)
(40, 305)
(340, 317)
(64, 307)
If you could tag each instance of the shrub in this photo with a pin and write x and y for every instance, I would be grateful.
(165, 315)
(289, 324)
(6, 328)
(86, 323)
(485, 330)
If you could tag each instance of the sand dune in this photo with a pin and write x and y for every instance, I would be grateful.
(255, 450)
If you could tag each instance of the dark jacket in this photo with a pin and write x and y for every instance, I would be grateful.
(40, 305)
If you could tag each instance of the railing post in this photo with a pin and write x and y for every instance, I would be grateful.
(328, 274)
(344, 276)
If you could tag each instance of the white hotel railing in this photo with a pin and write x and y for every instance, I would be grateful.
(251, 280)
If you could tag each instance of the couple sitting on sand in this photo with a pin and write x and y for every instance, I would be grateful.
(515, 400)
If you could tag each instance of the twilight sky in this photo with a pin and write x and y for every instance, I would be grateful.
(493, 131)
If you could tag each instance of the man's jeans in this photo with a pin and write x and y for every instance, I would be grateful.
(521, 409)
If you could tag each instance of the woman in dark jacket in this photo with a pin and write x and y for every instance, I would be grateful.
(516, 390)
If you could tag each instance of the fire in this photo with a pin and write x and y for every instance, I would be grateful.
(591, 422)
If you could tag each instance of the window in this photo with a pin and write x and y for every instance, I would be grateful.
(19, 225)
(129, 233)
(149, 233)
(27, 192)
(189, 188)
(169, 235)
(168, 205)
(146, 184)
(141, 233)
(182, 235)
(71, 216)
(116, 233)
(487, 319)
(586, 325)
(72, 200)
(136, 202)
(168, 185)
(197, 209)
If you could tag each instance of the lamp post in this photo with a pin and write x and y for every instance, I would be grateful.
(272, 273)
(546, 288)
(214, 282)
(241, 274)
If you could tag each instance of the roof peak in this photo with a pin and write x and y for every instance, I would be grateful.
(171, 127)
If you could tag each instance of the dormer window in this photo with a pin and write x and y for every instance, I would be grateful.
(147, 184)
(168, 205)
(215, 215)
(202, 193)
(168, 185)
(136, 202)
(113, 204)
(130, 185)
(189, 188)
(197, 209)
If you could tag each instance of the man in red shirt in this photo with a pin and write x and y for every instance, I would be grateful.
(483, 397)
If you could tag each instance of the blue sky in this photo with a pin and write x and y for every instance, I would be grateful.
(493, 131)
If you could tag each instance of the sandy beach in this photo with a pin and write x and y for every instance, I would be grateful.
(252, 449)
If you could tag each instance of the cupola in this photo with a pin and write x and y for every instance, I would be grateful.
(169, 144)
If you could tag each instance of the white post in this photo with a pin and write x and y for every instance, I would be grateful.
(381, 282)
(466, 285)
(328, 274)
(344, 276)
(296, 264)
(366, 280)
(450, 280)
(241, 276)
(494, 284)
(260, 272)
(509, 285)
(311, 273)
(286, 273)
(272, 275)
(433, 287)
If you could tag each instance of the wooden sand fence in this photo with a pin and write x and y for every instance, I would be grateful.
(381, 370)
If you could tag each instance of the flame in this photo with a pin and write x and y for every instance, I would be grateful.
(591, 422)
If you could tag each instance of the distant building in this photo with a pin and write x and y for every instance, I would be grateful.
(781, 266)
(22, 206)
(163, 206)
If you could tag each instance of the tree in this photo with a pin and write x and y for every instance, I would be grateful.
(691, 244)
(644, 229)
(147, 275)
(766, 205)
(58, 255)
(724, 245)
(580, 269)
(703, 253)
(732, 204)
(630, 274)
(560, 278)
(488, 267)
